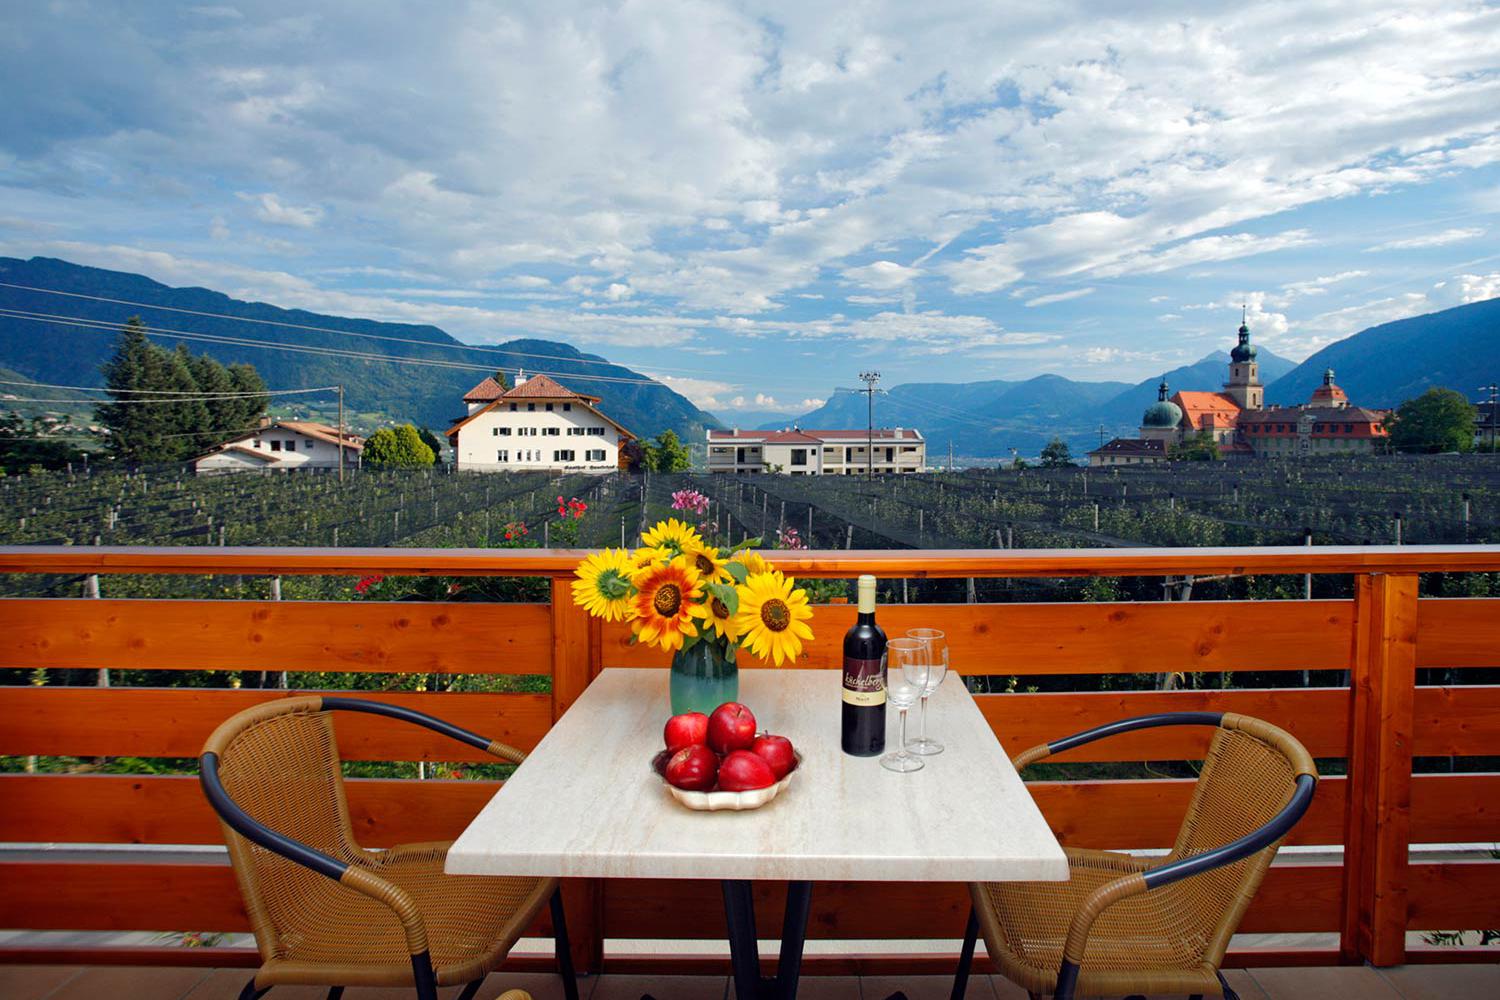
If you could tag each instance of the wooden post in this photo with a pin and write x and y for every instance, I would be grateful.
(576, 641)
(1377, 825)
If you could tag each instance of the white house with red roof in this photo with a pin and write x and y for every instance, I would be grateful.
(537, 424)
(280, 446)
(799, 451)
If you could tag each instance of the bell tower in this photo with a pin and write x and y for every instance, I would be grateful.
(1244, 373)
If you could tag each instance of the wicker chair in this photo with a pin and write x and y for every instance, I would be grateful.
(1133, 925)
(327, 912)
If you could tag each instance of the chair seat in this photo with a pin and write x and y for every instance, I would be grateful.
(343, 937)
(1141, 944)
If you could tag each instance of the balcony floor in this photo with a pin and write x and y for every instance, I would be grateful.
(1416, 982)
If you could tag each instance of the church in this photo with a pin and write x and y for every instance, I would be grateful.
(1240, 425)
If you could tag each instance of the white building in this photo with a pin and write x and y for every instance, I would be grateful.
(282, 445)
(538, 424)
(800, 452)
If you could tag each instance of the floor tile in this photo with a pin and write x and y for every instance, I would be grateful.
(923, 987)
(820, 988)
(1245, 985)
(225, 984)
(129, 981)
(1348, 983)
(661, 987)
(32, 982)
(1443, 982)
(1005, 989)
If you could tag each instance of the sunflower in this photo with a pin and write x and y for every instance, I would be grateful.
(772, 617)
(715, 615)
(709, 564)
(672, 534)
(661, 613)
(603, 584)
(754, 562)
(648, 555)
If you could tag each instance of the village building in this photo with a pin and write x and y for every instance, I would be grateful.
(282, 446)
(1238, 422)
(798, 451)
(537, 424)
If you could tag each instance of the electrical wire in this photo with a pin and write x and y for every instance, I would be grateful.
(169, 392)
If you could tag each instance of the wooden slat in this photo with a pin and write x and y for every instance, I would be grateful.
(913, 564)
(1316, 716)
(1456, 721)
(1033, 639)
(1458, 632)
(1454, 896)
(174, 722)
(1455, 808)
(406, 637)
(141, 809)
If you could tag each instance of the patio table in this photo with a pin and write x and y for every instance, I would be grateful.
(586, 804)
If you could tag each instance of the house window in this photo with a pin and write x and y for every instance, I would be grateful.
(1348, 428)
(596, 431)
(502, 456)
(595, 454)
(562, 455)
(567, 407)
(799, 456)
(275, 445)
(531, 407)
(549, 407)
(513, 407)
(552, 431)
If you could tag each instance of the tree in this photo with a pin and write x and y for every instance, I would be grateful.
(1200, 448)
(432, 441)
(635, 455)
(137, 369)
(397, 448)
(183, 417)
(1437, 420)
(667, 454)
(247, 410)
(22, 446)
(212, 379)
(1057, 454)
(502, 378)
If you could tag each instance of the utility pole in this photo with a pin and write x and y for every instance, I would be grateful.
(869, 378)
(950, 454)
(1101, 435)
(341, 433)
(1494, 421)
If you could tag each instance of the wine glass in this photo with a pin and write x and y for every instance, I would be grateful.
(904, 679)
(936, 645)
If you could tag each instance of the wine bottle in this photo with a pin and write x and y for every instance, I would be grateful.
(863, 731)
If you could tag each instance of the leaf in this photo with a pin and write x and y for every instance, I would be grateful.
(738, 570)
(689, 641)
(749, 543)
(728, 594)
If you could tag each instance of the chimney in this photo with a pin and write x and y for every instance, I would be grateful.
(520, 376)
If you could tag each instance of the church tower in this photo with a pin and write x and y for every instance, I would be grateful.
(1244, 374)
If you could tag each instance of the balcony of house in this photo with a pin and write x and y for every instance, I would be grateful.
(110, 856)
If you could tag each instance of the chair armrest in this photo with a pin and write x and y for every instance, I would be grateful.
(356, 877)
(1044, 750)
(493, 747)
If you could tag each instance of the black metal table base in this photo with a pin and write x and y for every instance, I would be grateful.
(744, 949)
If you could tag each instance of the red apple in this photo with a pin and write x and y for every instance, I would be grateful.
(743, 771)
(685, 730)
(731, 727)
(694, 768)
(776, 751)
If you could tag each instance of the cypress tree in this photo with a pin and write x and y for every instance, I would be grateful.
(130, 374)
(213, 378)
(247, 410)
(184, 421)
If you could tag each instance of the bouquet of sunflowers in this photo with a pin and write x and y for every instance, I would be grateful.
(676, 591)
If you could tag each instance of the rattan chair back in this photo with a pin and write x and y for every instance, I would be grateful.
(280, 763)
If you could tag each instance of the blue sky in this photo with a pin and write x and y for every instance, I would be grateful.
(754, 201)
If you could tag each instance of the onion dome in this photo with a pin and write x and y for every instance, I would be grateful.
(1329, 392)
(1163, 412)
(1244, 350)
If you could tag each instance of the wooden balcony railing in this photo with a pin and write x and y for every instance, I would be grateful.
(1377, 724)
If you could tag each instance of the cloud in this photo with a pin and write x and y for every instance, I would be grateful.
(882, 274)
(1047, 300)
(705, 394)
(1440, 239)
(270, 208)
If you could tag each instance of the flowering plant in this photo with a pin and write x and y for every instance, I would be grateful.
(690, 499)
(676, 591)
(574, 508)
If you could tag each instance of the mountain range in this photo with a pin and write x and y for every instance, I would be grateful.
(416, 373)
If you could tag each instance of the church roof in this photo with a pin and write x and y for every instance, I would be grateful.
(1154, 448)
(1197, 406)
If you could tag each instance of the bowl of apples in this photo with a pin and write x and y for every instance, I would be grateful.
(719, 761)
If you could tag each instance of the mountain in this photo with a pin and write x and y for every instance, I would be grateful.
(1208, 373)
(1383, 366)
(420, 375)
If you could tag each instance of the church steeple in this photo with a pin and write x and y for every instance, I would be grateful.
(1244, 376)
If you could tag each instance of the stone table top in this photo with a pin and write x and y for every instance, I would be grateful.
(587, 804)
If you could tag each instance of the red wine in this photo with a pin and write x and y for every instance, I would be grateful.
(863, 732)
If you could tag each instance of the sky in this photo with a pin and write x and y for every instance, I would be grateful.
(756, 201)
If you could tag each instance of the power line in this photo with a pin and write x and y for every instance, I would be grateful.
(167, 392)
(331, 330)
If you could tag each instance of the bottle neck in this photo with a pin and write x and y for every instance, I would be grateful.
(865, 618)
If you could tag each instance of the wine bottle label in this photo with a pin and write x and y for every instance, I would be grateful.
(864, 682)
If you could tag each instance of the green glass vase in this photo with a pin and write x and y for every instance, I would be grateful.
(703, 678)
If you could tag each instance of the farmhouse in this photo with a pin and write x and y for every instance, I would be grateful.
(801, 452)
(536, 425)
(279, 446)
(1239, 423)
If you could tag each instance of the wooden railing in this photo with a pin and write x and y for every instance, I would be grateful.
(1377, 723)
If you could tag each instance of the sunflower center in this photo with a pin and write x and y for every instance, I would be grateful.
(705, 564)
(668, 600)
(775, 615)
(721, 610)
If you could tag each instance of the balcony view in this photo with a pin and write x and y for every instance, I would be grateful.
(684, 501)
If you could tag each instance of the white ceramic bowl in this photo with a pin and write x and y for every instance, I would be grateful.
(716, 801)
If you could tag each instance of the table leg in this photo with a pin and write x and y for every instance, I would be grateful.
(744, 949)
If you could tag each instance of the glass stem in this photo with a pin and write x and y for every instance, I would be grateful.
(923, 738)
(903, 733)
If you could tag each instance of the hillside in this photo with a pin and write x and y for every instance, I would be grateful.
(1457, 348)
(400, 385)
